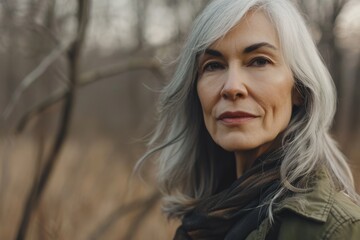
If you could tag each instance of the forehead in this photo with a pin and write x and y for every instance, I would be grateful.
(254, 27)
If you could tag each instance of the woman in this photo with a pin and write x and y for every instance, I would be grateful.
(243, 137)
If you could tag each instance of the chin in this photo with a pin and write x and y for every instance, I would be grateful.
(239, 142)
(236, 144)
(239, 147)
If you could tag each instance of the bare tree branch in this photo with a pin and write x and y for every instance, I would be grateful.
(38, 187)
(122, 211)
(32, 77)
(116, 69)
(140, 7)
(91, 77)
(43, 106)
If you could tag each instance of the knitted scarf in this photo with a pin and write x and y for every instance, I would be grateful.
(236, 211)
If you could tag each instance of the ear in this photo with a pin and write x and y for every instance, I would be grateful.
(297, 97)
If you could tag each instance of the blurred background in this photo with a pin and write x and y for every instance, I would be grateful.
(78, 90)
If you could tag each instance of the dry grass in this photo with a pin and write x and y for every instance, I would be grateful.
(354, 160)
(91, 181)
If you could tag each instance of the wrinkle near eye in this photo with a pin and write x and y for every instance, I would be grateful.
(212, 66)
(264, 61)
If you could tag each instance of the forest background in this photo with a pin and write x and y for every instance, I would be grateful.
(79, 84)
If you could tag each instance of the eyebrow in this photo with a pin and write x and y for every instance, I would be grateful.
(256, 46)
(248, 49)
(213, 52)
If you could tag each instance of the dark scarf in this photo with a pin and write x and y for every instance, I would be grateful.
(238, 210)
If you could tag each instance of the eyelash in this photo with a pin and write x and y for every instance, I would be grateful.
(252, 63)
(209, 64)
(268, 61)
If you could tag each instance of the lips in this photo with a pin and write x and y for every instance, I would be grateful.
(236, 117)
(238, 114)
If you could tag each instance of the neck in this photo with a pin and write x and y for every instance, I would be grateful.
(245, 159)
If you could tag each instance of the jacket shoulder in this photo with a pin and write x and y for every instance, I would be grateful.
(342, 222)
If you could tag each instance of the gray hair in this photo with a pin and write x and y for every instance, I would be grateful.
(188, 159)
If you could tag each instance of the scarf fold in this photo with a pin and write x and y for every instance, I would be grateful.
(238, 210)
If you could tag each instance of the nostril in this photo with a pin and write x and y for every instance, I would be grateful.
(225, 94)
(233, 94)
(228, 95)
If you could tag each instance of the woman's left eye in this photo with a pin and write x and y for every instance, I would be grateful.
(259, 62)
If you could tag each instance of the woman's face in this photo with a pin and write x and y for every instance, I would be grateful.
(245, 87)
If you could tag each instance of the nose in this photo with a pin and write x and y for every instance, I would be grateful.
(234, 86)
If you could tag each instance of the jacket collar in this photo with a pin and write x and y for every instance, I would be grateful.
(316, 203)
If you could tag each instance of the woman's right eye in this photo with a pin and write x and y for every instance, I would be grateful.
(212, 66)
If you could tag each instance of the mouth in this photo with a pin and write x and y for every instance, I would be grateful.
(237, 117)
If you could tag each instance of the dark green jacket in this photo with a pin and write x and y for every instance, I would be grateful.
(327, 214)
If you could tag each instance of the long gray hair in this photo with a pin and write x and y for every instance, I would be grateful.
(191, 166)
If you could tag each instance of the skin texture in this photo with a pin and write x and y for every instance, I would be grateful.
(245, 71)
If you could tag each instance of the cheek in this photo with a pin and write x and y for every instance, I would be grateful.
(276, 101)
(207, 96)
(202, 96)
(282, 108)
